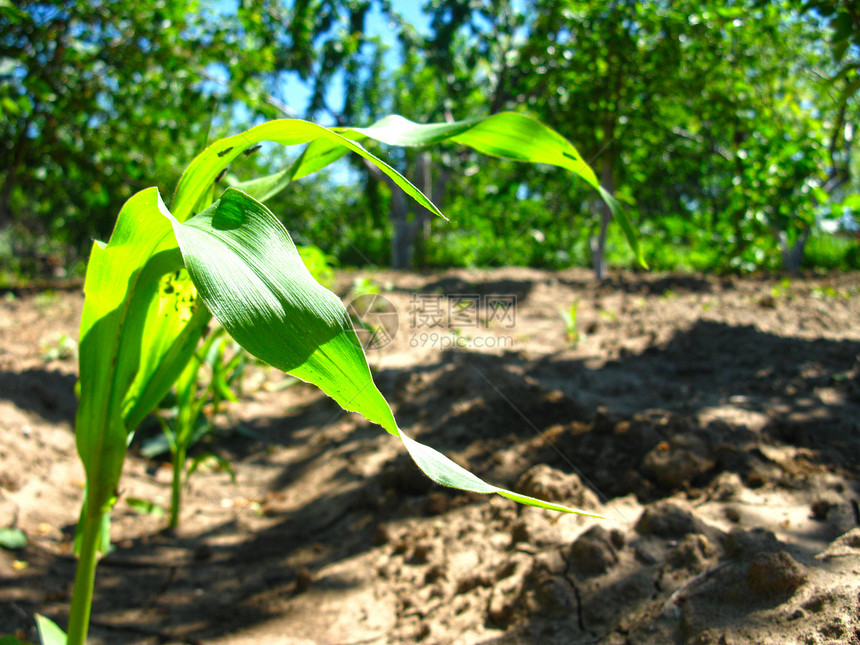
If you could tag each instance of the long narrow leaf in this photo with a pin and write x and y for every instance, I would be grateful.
(508, 134)
(200, 174)
(249, 274)
(194, 194)
(251, 277)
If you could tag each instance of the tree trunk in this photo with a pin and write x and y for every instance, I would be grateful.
(598, 246)
(409, 236)
(435, 190)
(421, 219)
(11, 175)
(792, 256)
(402, 231)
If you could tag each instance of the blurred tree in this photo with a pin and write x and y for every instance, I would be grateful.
(100, 101)
(841, 18)
(437, 75)
(702, 111)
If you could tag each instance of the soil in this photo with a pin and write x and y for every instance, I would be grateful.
(712, 421)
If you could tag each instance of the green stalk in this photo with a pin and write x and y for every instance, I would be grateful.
(85, 573)
(176, 486)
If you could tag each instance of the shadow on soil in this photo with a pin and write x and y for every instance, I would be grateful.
(453, 287)
(649, 285)
(501, 414)
(49, 394)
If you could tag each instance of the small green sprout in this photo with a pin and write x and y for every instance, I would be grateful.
(61, 348)
(198, 401)
(569, 317)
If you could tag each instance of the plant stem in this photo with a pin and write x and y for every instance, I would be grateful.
(85, 574)
(176, 486)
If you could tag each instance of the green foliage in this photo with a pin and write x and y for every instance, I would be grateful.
(832, 251)
(13, 640)
(144, 507)
(842, 21)
(97, 103)
(831, 293)
(709, 116)
(363, 286)
(782, 289)
(320, 264)
(61, 348)
(736, 119)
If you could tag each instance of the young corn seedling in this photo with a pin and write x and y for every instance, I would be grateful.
(153, 287)
(195, 410)
(569, 318)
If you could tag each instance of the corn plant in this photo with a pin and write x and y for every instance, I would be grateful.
(153, 287)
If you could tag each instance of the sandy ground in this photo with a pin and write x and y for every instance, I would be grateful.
(714, 422)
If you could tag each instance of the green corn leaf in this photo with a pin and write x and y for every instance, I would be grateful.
(125, 332)
(49, 632)
(173, 323)
(203, 171)
(250, 275)
(194, 193)
(144, 507)
(508, 134)
(221, 463)
(264, 188)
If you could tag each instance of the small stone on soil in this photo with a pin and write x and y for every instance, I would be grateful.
(593, 551)
(740, 543)
(553, 485)
(775, 574)
(668, 519)
(821, 509)
(691, 553)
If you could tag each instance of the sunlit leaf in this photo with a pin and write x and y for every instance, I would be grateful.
(200, 174)
(508, 134)
(250, 275)
(49, 632)
(125, 330)
(144, 507)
